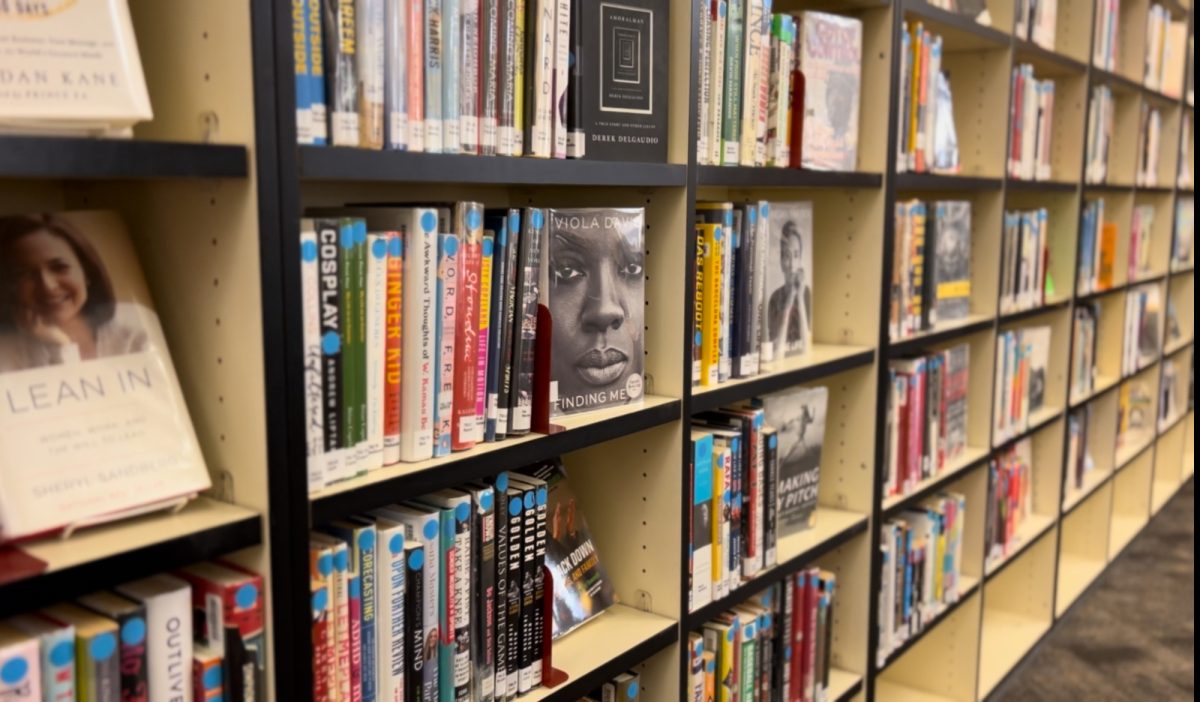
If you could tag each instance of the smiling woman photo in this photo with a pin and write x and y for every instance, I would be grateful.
(57, 303)
(596, 291)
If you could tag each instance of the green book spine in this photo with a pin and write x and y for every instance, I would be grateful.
(731, 129)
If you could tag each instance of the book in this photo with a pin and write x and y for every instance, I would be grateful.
(483, 592)
(131, 622)
(789, 297)
(68, 98)
(593, 286)
(207, 683)
(375, 340)
(468, 224)
(396, 76)
(341, 64)
(97, 665)
(361, 538)
(109, 379)
(55, 658)
(415, 607)
(323, 624)
(454, 595)
(701, 568)
(622, 100)
(446, 314)
(391, 585)
(229, 600)
(798, 416)
(528, 275)
(830, 56)
(20, 672)
(370, 59)
(951, 262)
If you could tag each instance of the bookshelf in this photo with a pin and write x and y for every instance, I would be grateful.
(214, 187)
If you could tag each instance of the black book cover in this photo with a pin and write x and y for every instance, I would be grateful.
(770, 494)
(516, 545)
(507, 329)
(500, 596)
(525, 324)
(745, 320)
(929, 316)
(530, 567)
(414, 619)
(828, 646)
(576, 136)
(541, 495)
(799, 420)
(949, 242)
(341, 81)
(233, 668)
(329, 299)
(495, 222)
(483, 595)
(623, 52)
(489, 40)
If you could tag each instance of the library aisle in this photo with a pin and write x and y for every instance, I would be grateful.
(1133, 635)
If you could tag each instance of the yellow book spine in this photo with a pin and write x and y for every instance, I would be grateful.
(711, 336)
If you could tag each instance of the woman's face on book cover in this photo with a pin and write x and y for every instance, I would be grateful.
(49, 283)
(597, 291)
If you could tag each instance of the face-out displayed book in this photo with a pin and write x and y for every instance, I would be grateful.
(78, 70)
(93, 424)
(798, 417)
(789, 283)
(593, 284)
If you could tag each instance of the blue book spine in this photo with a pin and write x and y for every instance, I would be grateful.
(58, 664)
(368, 568)
(498, 223)
(318, 125)
(434, 58)
(451, 55)
(301, 62)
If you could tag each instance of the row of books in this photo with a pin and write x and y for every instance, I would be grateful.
(626, 687)
(444, 597)
(1084, 329)
(1135, 414)
(423, 336)
(1141, 232)
(1097, 249)
(1032, 125)
(1172, 403)
(778, 90)
(1099, 135)
(1009, 499)
(753, 288)
(1037, 21)
(196, 634)
(927, 417)
(931, 269)
(1022, 358)
(920, 566)
(778, 645)
(1105, 34)
(1025, 261)
(488, 78)
(1149, 146)
(1166, 48)
(755, 470)
(1185, 231)
(1080, 462)
(1184, 179)
(1143, 328)
(928, 140)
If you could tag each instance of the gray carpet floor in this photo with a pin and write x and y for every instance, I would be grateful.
(1132, 637)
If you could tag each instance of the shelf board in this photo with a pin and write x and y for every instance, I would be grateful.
(1097, 294)
(1172, 422)
(1126, 455)
(1057, 186)
(1155, 189)
(1047, 62)
(81, 158)
(843, 685)
(1091, 483)
(821, 361)
(1055, 305)
(103, 556)
(1161, 492)
(1037, 420)
(612, 643)
(404, 480)
(1175, 347)
(1032, 529)
(833, 528)
(1101, 385)
(967, 587)
(1075, 574)
(750, 177)
(972, 457)
(1109, 187)
(933, 181)
(1116, 81)
(1161, 97)
(961, 33)
(330, 163)
(1015, 635)
(1124, 528)
(1151, 277)
(893, 691)
(943, 332)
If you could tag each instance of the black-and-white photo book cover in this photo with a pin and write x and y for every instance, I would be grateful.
(789, 275)
(798, 417)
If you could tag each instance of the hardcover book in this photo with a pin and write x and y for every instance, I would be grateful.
(594, 288)
(789, 275)
(93, 424)
(20, 677)
(951, 275)
(56, 647)
(830, 57)
(799, 419)
(623, 101)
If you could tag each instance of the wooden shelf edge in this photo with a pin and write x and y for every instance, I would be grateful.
(963, 595)
(1041, 422)
(993, 570)
(1070, 505)
(974, 324)
(755, 177)
(897, 503)
(705, 399)
(80, 158)
(934, 181)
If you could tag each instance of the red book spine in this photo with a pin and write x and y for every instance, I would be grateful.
(798, 642)
(797, 141)
(901, 485)
(914, 432)
(810, 636)
(392, 348)
(320, 643)
(467, 344)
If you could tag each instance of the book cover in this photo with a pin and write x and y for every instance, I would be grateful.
(788, 280)
(395, 87)
(700, 568)
(508, 329)
(369, 70)
(393, 353)
(97, 665)
(499, 602)
(490, 74)
(528, 276)
(446, 314)
(531, 569)
(515, 605)
(56, 657)
(302, 68)
(952, 261)
(539, 63)
(468, 225)
(314, 398)
(318, 112)
(131, 622)
(82, 354)
(712, 238)
(560, 76)
(593, 284)
(323, 631)
(20, 666)
(484, 339)
(329, 299)
(415, 685)
(433, 43)
(451, 50)
(496, 222)
(454, 650)
(483, 592)
(830, 57)
(470, 94)
(731, 112)
(624, 80)
(391, 583)
(538, 488)
(361, 538)
(798, 417)
(207, 683)
(375, 337)
(229, 602)
(341, 64)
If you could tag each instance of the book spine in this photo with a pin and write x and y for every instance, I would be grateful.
(358, 344)
(516, 545)
(469, 226)
(460, 667)
(490, 72)
(698, 316)
(355, 596)
(375, 334)
(530, 568)
(751, 63)
(414, 618)
(508, 329)
(395, 91)
(301, 61)
(483, 597)
(393, 347)
(206, 677)
(704, 32)
(447, 308)
(391, 590)
(702, 570)
(484, 346)
(712, 235)
(732, 110)
(498, 226)
(415, 63)
(716, 87)
(470, 96)
(728, 244)
(368, 572)
(419, 350)
(133, 664)
(559, 78)
(539, 586)
(314, 411)
(452, 55)
(505, 103)
(371, 28)
(539, 52)
(341, 621)
(500, 599)
(347, 269)
(770, 441)
(433, 62)
(341, 51)
(329, 261)
(318, 114)
(521, 400)
(721, 507)
(520, 66)
(576, 135)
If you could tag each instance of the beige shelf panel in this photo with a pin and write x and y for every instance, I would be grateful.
(1169, 458)
(830, 524)
(851, 563)
(572, 423)
(896, 692)
(1102, 384)
(1063, 221)
(1007, 637)
(1032, 529)
(1136, 446)
(1123, 530)
(943, 663)
(1074, 576)
(1182, 294)
(840, 682)
(949, 326)
(1083, 552)
(971, 455)
(818, 355)
(1073, 30)
(99, 542)
(614, 632)
(1091, 482)
(1017, 610)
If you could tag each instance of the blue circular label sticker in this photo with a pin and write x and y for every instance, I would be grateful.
(431, 529)
(355, 587)
(774, 441)
(360, 233)
(416, 559)
(379, 249)
(450, 245)
(541, 497)
(247, 596)
(766, 210)
(462, 511)
(529, 498)
(721, 10)
(729, 219)
(632, 691)
(347, 238)
(502, 482)
(396, 544)
(717, 233)
(341, 561)
(473, 219)
(308, 251)
(699, 338)
(485, 501)
(395, 247)
(325, 565)
(133, 632)
(331, 343)
(103, 646)
(487, 247)
(428, 222)
(212, 678)
(62, 654)
(366, 540)
(514, 508)
(14, 671)
(536, 220)
(514, 221)
(320, 600)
